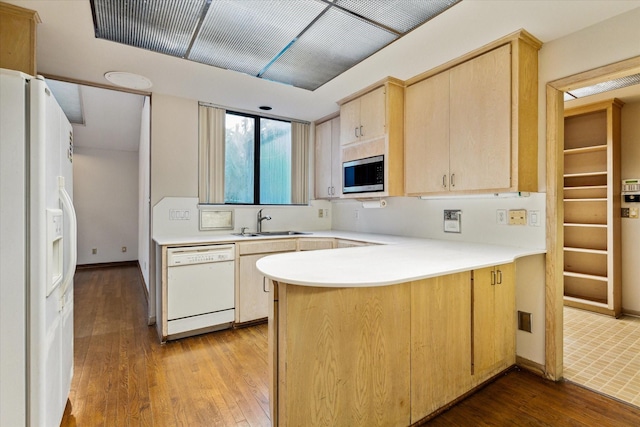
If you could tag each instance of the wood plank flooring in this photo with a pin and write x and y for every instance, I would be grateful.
(125, 377)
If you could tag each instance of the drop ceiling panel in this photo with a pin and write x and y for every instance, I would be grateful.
(332, 45)
(245, 35)
(165, 27)
(399, 15)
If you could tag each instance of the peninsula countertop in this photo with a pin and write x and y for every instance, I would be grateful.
(389, 264)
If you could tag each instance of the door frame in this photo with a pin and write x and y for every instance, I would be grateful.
(554, 201)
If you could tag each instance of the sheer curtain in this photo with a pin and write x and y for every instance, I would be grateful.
(299, 163)
(211, 154)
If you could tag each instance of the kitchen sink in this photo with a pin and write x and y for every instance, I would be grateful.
(271, 233)
(281, 233)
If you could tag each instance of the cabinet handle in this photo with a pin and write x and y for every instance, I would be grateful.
(329, 191)
(493, 277)
(264, 284)
(355, 130)
(499, 277)
(361, 133)
(444, 181)
(333, 190)
(453, 180)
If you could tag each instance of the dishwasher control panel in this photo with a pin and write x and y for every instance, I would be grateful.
(200, 255)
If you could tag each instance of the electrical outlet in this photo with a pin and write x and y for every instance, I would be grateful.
(124, 249)
(633, 212)
(320, 213)
(517, 217)
(94, 251)
(624, 212)
(501, 216)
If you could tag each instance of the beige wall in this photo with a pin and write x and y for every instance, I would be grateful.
(174, 147)
(630, 228)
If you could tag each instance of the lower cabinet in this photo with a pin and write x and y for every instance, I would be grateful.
(387, 355)
(494, 321)
(440, 342)
(252, 298)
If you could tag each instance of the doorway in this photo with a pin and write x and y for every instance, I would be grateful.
(555, 207)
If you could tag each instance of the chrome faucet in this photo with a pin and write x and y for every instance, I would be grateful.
(260, 219)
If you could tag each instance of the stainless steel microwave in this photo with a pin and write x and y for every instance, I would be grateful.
(363, 175)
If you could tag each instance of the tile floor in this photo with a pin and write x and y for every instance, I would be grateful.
(603, 353)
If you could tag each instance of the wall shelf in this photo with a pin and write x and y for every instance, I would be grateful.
(592, 208)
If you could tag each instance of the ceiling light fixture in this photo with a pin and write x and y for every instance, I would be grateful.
(602, 87)
(128, 80)
(265, 107)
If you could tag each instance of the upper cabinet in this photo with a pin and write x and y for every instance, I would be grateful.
(471, 124)
(328, 181)
(18, 38)
(372, 124)
(363, 118)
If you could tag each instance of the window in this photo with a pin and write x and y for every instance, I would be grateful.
(257, 160)
(248, 159)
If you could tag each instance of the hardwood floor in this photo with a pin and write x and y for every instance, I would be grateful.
(125, 377)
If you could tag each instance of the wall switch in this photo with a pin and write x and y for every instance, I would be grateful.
(534, 218)
(357, 215)
(624, 212)
(501, 216)
(320, 213)
(517, 217)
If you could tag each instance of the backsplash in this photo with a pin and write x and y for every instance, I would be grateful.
(411, 216)
(179, 216)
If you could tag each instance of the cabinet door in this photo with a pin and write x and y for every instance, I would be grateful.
(493, 320)
(323, 160)
(440, 342)
(480, 138)
(336, 159)
(426, 142)
(350, 122)
(372, 114)
(253, 301)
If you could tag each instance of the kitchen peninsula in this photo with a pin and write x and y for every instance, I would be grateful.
(387, 334)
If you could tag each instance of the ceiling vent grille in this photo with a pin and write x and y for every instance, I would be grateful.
(597, 88)
(303, 43)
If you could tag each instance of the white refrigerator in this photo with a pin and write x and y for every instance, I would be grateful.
(37, 253)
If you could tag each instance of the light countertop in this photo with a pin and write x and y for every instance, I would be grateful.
(385, 264)
(391, 260)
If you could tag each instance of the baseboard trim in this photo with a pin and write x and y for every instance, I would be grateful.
(144, 287)
(531, 366)
(107, 265)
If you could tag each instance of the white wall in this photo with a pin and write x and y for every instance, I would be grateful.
(630, 228)
(144, 211)
(105, 188)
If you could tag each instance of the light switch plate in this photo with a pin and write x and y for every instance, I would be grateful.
(501, 216)
(534, 218)
(518, 217)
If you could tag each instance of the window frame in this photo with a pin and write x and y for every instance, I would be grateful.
(256, 158)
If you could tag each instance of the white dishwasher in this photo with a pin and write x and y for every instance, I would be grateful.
(200, 289)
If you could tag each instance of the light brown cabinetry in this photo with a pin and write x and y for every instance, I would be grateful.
(252, 298)
(440, 342)
(494, 330)
(471, 124)
(387, 355)
(592, 207)
(372, 123)
(18, 38)
(312, 244)
(363, 118)
(342, 243)
(328, 168)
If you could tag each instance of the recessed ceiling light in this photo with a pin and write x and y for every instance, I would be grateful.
(265, 107)
(128, 80)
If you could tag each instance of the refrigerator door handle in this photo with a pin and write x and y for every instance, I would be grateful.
(67, 206)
